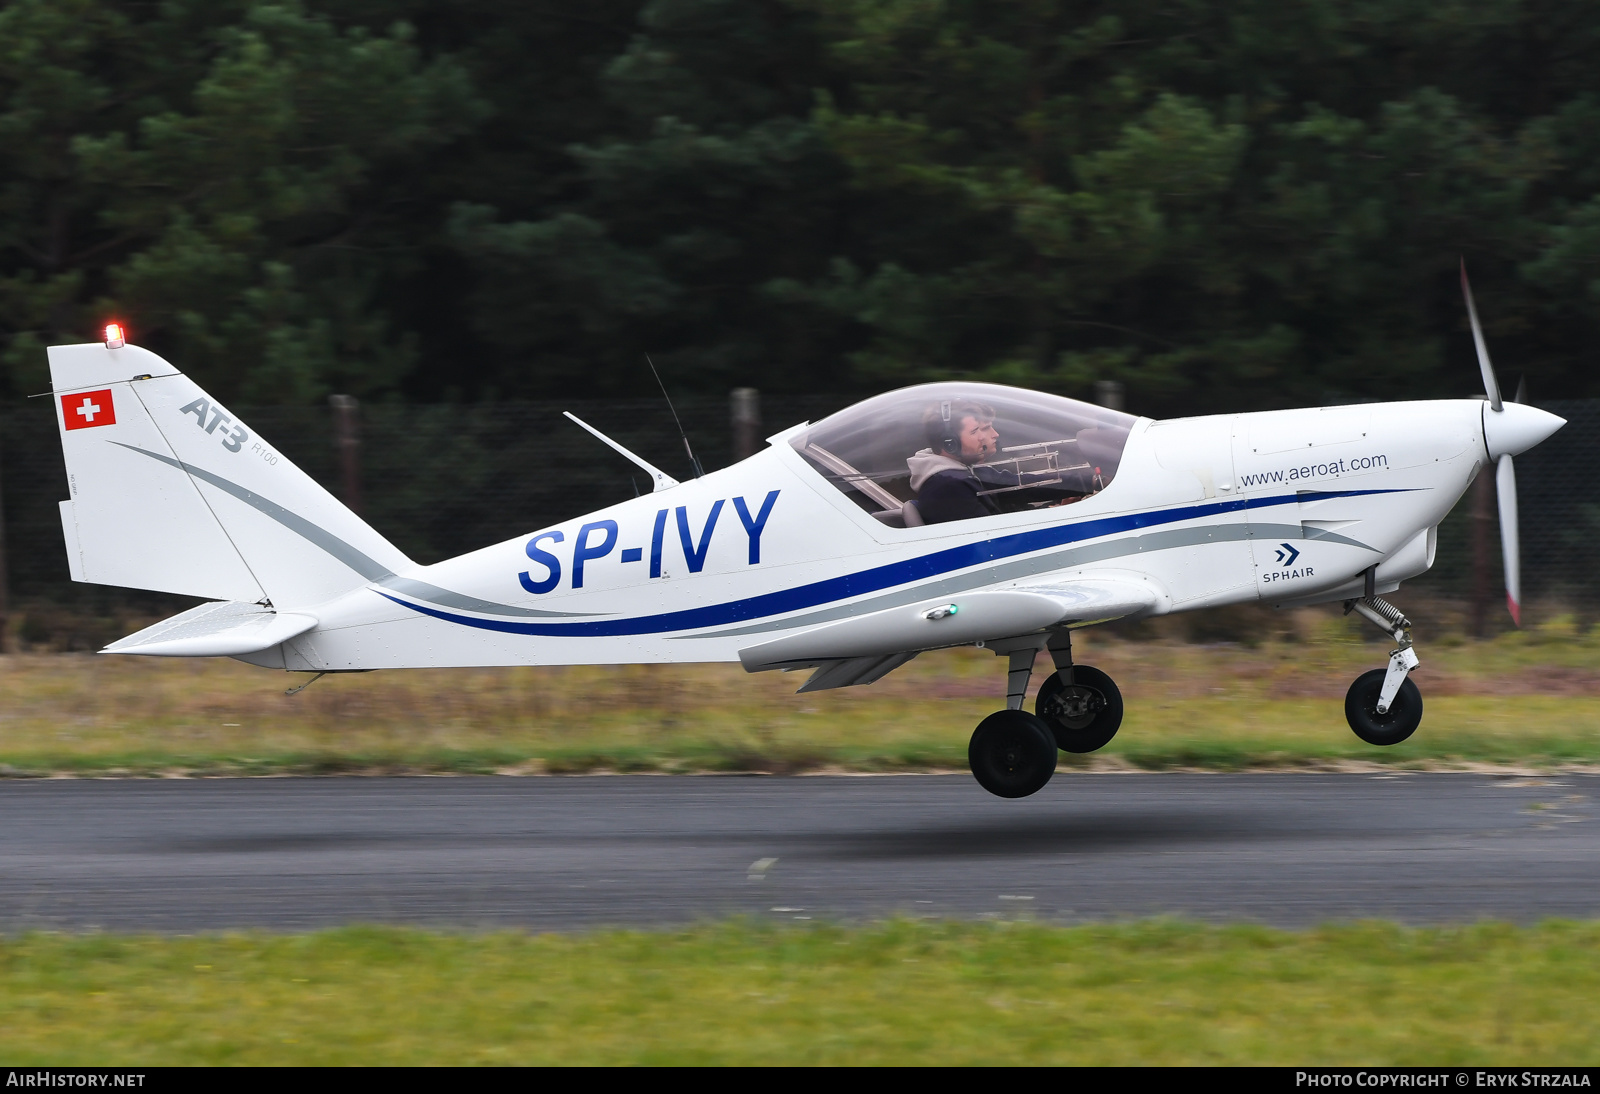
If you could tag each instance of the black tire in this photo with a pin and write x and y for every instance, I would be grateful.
(1012, 754)
(1082, 717)
(1361, 710)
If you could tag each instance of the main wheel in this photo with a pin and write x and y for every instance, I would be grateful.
(1083, 716)
(1361, 710)
(1011, 754)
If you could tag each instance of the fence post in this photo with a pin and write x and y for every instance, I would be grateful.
(1482, 507)
(745, 406)
(347, 439)
(1110, 394)
(5, 581)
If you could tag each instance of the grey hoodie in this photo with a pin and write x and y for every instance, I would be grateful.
(926, 464)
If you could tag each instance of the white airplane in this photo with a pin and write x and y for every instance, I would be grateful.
(948, 514)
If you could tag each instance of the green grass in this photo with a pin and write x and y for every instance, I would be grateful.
(1149, 992)
(1529, 699)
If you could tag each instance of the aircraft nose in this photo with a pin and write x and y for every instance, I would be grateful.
(1515, 428)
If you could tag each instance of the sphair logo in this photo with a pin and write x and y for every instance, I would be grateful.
(1287, 553)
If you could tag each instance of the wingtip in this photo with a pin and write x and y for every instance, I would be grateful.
(1516, 610)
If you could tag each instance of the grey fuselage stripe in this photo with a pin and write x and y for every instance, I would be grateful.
(358, 560)
(421, 590)
(1032, 567)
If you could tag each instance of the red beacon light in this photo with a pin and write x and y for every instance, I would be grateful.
(115, 339)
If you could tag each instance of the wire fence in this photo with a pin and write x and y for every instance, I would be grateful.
(443, 479)
(436, 480)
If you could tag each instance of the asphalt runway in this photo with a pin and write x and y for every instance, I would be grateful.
(565, 853)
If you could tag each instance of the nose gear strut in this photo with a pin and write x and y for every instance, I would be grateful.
(1384, 706)
(1403, 659)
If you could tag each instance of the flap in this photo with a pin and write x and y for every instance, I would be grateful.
(853, 671)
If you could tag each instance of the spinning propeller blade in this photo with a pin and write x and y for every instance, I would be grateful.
(1491, 387)
(1508, 428)
(1505, 475)
(1505, 484)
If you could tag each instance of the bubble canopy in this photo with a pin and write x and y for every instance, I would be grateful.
(956, 451)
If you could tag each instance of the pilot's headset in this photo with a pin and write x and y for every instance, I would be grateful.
(950, 439)
(949, 423)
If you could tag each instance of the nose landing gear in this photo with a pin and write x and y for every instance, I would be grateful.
(1384, 706)
(1389, 727)
(1079, 709)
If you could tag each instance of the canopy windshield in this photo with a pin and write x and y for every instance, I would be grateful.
(957, 451)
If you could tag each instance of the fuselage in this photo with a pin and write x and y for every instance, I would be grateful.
(1280, 507)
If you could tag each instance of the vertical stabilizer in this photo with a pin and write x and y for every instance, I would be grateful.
(170, 491)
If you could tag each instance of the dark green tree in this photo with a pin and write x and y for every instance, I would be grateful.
(1224, 205)
(711, 186)
(221, 178)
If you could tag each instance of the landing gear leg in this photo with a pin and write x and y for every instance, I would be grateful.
(1384, 706)
(1018, 674)
(1012, 753)
(1080, 704)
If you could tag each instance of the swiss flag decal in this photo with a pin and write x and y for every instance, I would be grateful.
(88, 408)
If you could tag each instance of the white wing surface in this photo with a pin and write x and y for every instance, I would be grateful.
(868, 647)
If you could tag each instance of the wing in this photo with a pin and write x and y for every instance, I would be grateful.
(868, 647)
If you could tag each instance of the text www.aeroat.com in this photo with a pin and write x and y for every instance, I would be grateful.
(1315, 471)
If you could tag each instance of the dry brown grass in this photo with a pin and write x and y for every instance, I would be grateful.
(1530, 695)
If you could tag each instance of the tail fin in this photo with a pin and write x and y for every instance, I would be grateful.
(171, 492)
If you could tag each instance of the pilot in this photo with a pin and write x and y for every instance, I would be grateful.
(960, 435)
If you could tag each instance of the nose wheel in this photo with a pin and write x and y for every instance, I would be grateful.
(1391, 726)
(1384, 706)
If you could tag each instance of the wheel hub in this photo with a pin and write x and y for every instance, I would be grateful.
(1012, 755)
(1075, 706)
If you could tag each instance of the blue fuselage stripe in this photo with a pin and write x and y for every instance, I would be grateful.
(877, 578)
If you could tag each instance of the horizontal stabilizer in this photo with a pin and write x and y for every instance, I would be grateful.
(964, 619)
(217, 629)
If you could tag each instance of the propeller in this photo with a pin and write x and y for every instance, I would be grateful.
(1508, 428)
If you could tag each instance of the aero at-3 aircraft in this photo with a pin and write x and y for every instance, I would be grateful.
(940, 515)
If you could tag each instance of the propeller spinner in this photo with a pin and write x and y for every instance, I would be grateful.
(1508, 428)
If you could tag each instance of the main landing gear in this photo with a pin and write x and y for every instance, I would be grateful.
(1013, 753)
(1384, 706)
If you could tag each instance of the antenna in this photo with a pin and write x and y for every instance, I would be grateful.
(698, 470)
(663, 481)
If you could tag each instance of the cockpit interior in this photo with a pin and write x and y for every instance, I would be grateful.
(958, 451)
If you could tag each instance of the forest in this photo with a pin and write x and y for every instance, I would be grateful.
(1223, 206)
